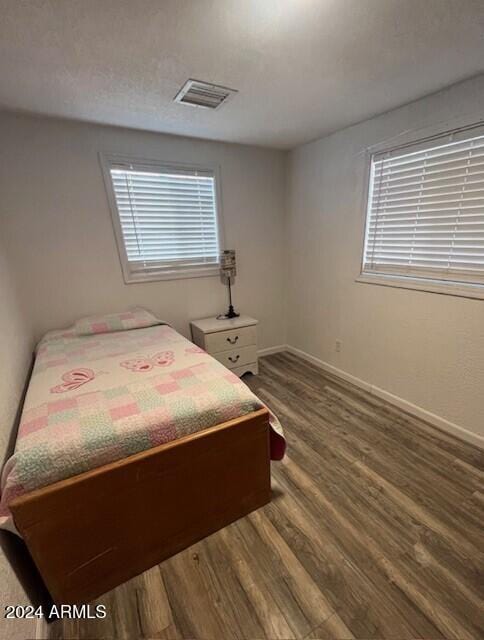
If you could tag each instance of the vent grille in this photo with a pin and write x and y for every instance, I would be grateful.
(204, 95)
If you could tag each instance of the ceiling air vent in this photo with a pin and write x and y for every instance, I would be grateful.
(202, 94)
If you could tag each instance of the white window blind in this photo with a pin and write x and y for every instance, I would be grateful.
(425, 216)
(167, 220)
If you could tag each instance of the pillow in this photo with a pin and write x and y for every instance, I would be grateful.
(136, 318)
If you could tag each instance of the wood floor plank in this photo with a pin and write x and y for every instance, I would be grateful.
(152, 603)
(437, 601)
(260, 588)
(342, 410)
(273, 574)
(419, 511)
(421, 430)
(435, 461)
(458, 625)
(379, 510)
(369, 507)
(371, 604)
(468, 527)
(362, 504)
(308, 595)
(374, 532)
(191, 598)
(238, 613)
(331, 629)
(168, 633)
(126, 619)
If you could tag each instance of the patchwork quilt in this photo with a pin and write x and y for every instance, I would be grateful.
(98, 397)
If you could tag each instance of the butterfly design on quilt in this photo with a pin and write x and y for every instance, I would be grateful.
(161, 359)
(73, 380)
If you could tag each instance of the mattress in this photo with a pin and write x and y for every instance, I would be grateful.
(98, 397)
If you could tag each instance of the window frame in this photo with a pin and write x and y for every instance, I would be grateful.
(412, 282)
(107, 160)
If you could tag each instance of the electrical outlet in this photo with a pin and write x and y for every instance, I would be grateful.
(337, 346)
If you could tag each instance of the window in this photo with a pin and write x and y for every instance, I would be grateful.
(425, 215)
(165, 219)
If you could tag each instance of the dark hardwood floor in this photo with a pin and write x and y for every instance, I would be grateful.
(374, 531)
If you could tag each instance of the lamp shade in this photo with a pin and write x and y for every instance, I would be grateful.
(228, 265)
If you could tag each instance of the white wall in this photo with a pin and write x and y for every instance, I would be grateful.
(16, 342)
(58, 220)
(426, 348)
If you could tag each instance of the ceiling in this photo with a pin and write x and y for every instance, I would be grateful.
(303, 68)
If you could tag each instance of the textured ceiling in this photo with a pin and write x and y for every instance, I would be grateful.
(303, 68)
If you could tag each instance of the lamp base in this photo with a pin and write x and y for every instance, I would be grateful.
(230, 314)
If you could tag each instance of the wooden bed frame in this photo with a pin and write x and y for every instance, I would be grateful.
(92, 532)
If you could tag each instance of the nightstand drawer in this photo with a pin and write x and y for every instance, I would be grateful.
(231, 339)
(237, 357)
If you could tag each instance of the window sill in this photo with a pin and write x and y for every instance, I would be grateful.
(133, 278)
(426, 285)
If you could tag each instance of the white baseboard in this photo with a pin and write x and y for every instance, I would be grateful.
(268, 350)
(409, 407)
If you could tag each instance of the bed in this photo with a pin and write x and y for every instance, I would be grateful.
(133, 444)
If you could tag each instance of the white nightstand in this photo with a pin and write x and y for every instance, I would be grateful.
(232, 342)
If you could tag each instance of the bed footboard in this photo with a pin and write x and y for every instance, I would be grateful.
(92, 532)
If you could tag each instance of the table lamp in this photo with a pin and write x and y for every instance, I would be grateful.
(228, 271)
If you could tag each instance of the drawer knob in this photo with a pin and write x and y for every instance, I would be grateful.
(234, 359)
(233, 341)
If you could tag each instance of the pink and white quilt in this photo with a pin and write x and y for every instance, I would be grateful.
(102, 396)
